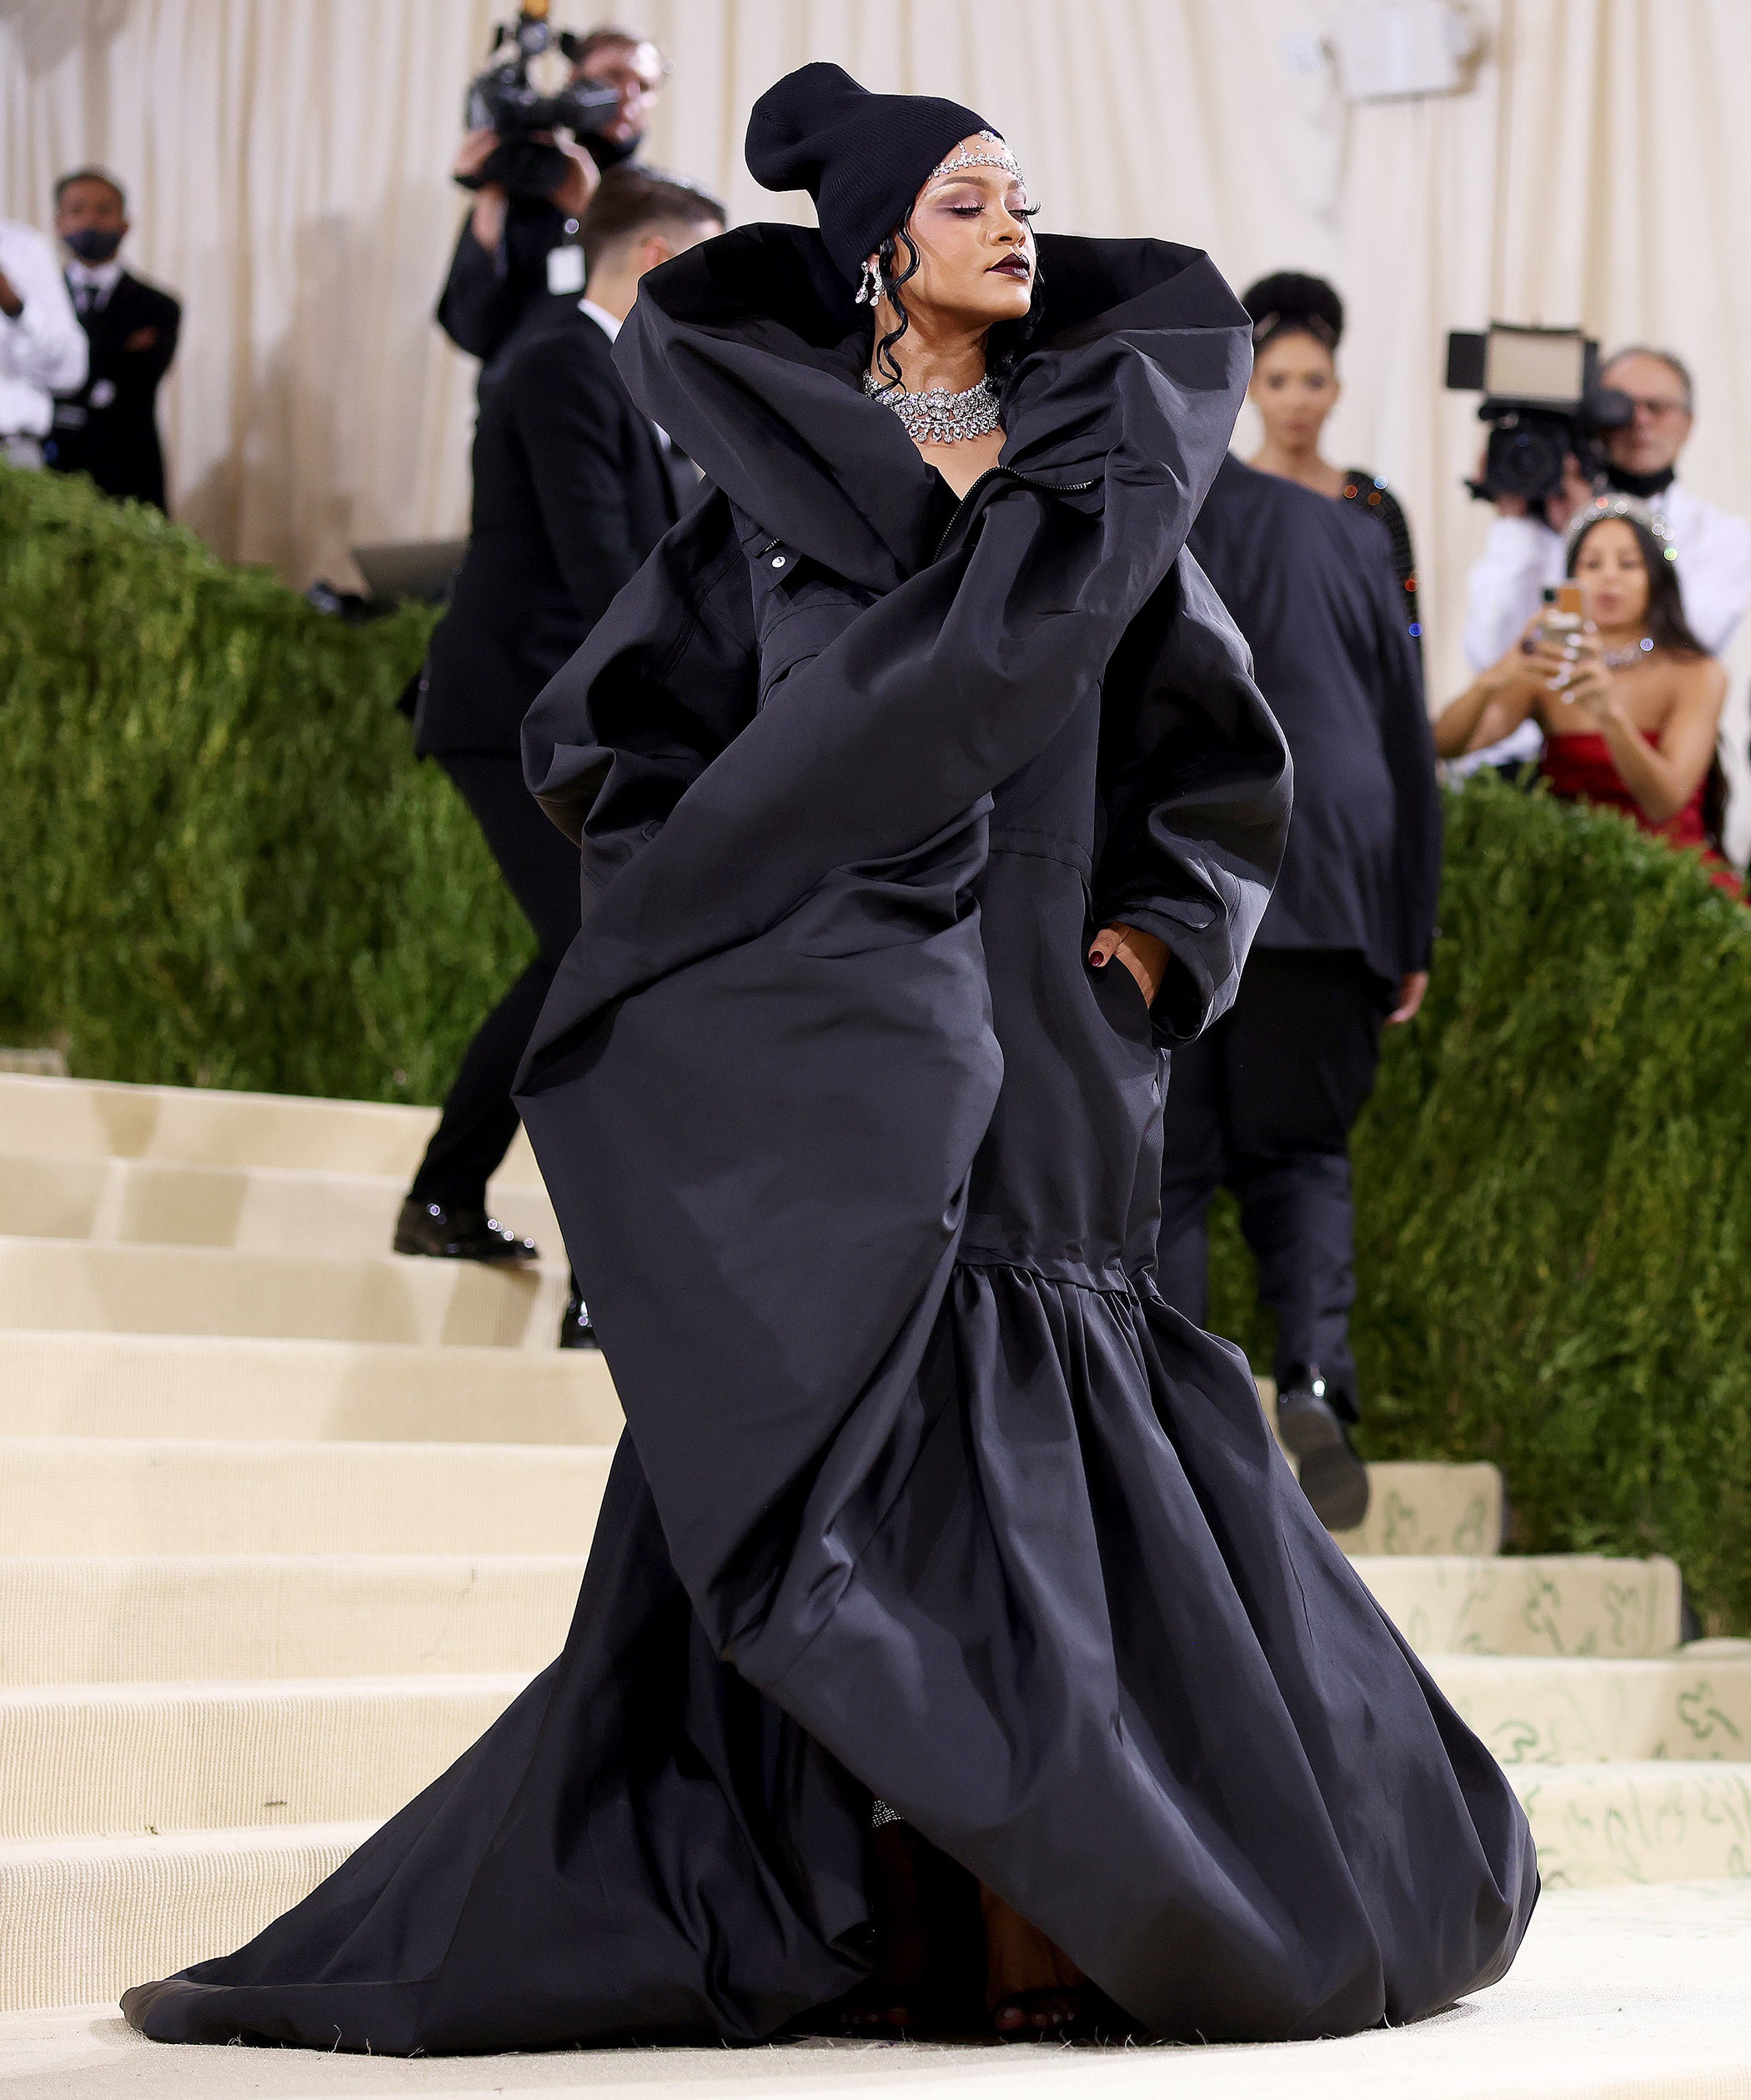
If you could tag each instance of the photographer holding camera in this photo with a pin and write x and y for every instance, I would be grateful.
(1523, 554)
(517, 261)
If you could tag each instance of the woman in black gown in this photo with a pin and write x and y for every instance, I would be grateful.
(928, 1508)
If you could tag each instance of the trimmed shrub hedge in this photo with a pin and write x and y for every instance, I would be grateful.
(1553, 1196)
(221, 864)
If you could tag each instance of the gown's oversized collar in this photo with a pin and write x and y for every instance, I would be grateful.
(748, 349)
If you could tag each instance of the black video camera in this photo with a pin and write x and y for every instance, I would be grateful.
(504, 99)
(1542, 401)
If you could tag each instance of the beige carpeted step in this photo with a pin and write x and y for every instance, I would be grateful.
(1596, 1825)
(215, 1126)
(103, 1618)
(66, 1495)
(1424, 1509)
(69, 1384)
(1416, 1507)
(259, 1209)
(88, 1286)
(1545, 1604)
(119, 1618)
(209, 1127)
(136, 1759)
(1577, 1711)
(95, 1119)
(83, 1918)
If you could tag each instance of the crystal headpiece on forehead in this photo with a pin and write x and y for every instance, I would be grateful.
(1630, 508)
(985, 150)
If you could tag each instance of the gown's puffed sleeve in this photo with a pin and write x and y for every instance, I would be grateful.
(1195, 789)
(666, 679)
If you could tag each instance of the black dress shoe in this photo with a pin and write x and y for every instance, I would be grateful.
(1332, 1477)
(457, 1235)
(575, 1331)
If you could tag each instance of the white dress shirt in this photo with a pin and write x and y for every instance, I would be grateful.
(610, 327)
(92, 283)
(1523, 557)
(44, 352)
(606, 322)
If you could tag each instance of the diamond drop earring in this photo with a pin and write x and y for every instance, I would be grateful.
(871, 288)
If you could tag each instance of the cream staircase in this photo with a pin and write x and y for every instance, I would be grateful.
(285, 1521)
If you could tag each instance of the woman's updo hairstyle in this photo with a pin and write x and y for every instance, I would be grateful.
(1290, 302)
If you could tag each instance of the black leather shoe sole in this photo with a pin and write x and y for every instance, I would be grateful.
(1333, 1479)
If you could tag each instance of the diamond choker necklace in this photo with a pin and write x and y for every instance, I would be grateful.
(937, 416)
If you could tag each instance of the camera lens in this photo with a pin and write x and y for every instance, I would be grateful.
(1526, 459)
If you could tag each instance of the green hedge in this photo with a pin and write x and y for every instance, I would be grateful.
(1553, 1196)
(220, 864)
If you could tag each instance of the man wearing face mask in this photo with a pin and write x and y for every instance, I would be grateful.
(517, 263)
(108, 428)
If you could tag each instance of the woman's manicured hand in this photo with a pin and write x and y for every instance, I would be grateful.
(1141, 954)
(1590, 684)
(1411, 986)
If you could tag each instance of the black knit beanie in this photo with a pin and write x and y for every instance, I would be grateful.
(862, 157)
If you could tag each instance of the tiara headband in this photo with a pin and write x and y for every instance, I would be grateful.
(1633, 510)
(1315, 325)
(984, 150)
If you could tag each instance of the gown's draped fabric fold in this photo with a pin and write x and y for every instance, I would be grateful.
(925, 1494)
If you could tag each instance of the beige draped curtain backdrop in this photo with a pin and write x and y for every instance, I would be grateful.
(287, 164)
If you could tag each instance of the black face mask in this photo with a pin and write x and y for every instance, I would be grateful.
(1643, 485)
(92, 244)
(610, 153)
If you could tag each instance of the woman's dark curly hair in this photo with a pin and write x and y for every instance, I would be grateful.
(1667, 626)
(1005, 345)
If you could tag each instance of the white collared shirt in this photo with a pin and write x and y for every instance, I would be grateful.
(44, 351)
(92, 283)
(610, 327)
(605, 321)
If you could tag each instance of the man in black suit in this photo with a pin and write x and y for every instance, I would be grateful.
(517, 263)
(108, 428)
(573, 488)
(1265, 1098)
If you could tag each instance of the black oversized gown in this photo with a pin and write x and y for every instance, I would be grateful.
(925, 1494)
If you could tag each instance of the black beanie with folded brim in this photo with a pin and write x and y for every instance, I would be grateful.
(863, 157)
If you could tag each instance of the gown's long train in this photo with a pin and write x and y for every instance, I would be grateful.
(925, 1494)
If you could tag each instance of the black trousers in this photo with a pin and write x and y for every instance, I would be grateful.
(1264, 1101)
(540, 864)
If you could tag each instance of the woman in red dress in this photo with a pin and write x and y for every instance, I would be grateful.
(1630, 704)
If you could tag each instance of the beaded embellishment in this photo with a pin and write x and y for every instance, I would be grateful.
(937, 416)
(984, 150)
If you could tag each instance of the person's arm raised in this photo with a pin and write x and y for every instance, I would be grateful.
(1494, 705)
(1665, 776)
